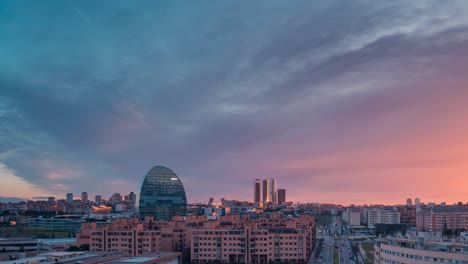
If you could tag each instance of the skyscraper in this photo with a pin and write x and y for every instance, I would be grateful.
(281, 196)
(162, 195)
(98, 199)
(265, 188)
(272, 191)
(69, 197)
(256, 190)
(84, 197)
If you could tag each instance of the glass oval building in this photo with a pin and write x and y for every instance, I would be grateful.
(162, 195)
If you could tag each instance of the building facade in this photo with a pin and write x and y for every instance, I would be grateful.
(407, 215)
(272, 191)
(266, 198)
(281, 196)
(420, 250)
(442, 217)
(15, 244)
(382, 216)
(84, 197)
(56, 223)
(264, 240)
(162, 195)
(231, 238)
(98, 199)
(352, 217)
(122, 235)
(257, 190)
(70, 198)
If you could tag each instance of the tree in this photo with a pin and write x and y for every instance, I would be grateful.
(84, 247)
(6, 212)
(73, 249)
(20, 230)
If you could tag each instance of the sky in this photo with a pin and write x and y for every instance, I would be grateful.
(344, 102)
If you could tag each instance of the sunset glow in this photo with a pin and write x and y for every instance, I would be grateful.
(342, 102)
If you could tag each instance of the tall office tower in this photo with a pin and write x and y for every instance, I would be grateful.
(84, 197)
(409, 202)
(256, 190)
(69, 197)
(98, 199)
(281, 196)
(272, 191)
(162, 195)
(266, 198)
(211, 200)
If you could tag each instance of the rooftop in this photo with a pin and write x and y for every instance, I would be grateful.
(151, 258)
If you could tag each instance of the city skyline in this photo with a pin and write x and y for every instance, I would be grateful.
(342, 102)
(216, 201)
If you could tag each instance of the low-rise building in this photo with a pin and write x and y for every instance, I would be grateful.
(122, 235)
(18, 244)
(275, 237)
(98, 257)
(71, 224)
(420, 248)
(442, 217)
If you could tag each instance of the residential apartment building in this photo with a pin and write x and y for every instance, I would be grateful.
(126, 235)
(382, 216)
(353, 218)
(230, 238)
(276, 238)
(442, 217)
(421, 248)
(407, 214)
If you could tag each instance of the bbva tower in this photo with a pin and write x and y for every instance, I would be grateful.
(162, 195)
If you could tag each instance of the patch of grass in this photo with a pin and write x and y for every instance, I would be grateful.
(336, 257)
(369, 249)
(322, 220)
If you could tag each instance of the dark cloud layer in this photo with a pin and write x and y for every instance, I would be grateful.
(332, 98)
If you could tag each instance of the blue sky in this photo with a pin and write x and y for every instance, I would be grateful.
(340, 101)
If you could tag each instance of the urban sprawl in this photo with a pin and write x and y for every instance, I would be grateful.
(157, 225)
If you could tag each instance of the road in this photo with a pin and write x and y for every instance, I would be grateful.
(334, 237)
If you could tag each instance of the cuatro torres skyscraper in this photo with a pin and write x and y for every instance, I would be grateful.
(162, 195)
